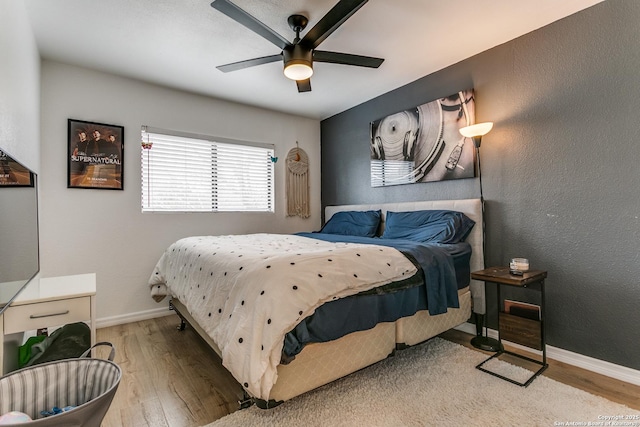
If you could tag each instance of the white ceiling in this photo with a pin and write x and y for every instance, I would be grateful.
(178, 43)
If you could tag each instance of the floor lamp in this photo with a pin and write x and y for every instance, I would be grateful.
(476, 132)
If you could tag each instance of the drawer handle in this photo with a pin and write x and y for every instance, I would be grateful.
(40, 316)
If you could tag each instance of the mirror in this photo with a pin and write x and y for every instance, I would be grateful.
(19, 249)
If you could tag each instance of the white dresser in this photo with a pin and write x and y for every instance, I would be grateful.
(47, 303)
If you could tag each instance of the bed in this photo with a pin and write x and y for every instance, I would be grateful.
(281, 347)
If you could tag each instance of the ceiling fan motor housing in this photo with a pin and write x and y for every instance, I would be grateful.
(296, 55)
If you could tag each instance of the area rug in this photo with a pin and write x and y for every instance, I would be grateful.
(436, 384)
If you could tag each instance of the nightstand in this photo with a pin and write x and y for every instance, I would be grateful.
(528, 332)
(44, 303)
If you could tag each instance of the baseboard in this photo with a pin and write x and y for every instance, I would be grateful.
(602, 367)
(105, 322)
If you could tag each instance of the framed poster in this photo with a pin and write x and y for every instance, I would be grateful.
(13, 174)
(95, 155)
(424, 144)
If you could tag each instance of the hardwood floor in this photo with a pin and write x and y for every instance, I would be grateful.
(171, 378)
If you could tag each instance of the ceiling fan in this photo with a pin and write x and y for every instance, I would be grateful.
(299, 55)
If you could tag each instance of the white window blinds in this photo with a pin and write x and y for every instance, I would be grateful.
(181, 173)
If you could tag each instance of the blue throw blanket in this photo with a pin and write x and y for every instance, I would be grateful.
(440, 263)
(434, 259)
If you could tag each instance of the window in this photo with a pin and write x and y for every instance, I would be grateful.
(391, 172)
(193, 173)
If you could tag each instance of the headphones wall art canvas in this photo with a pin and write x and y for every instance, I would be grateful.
(423, 144)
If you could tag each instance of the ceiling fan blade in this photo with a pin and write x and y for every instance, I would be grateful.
(330, 22)
(249, 63)
(346, 59)
(242, 17)
(304, 85)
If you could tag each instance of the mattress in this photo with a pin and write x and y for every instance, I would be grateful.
(320, 363)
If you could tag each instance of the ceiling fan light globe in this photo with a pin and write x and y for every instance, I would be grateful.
(298, 70)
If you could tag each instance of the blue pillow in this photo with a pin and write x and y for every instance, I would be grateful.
(433, 226)
(353, 223)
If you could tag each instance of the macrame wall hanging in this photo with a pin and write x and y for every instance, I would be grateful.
(297, 183)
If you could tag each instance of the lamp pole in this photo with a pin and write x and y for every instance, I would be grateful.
(481, 341)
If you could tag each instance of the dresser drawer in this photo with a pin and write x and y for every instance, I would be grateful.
(30, 317)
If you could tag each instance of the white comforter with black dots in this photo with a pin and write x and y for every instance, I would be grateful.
(248, 291)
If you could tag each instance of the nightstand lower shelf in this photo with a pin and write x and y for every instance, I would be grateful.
(543, 366)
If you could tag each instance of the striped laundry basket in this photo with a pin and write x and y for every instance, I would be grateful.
(88, 384)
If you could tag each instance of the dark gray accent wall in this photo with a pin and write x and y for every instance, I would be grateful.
(561, 168)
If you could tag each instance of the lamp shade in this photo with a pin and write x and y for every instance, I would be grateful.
(479, 129)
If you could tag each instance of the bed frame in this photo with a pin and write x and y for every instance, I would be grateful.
(320, 363)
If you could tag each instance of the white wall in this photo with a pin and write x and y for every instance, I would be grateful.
(19, 86)
(103, 231)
